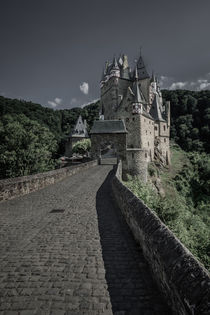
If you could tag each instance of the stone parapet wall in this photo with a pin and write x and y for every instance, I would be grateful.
(184, 282)
(14, 187)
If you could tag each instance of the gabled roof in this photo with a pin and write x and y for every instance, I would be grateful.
(108, 126)
(80, 128)
(155, 111)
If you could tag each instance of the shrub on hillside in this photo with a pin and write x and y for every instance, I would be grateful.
(82, 147)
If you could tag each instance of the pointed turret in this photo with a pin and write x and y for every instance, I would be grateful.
(138, 96)
(115, 64)
(125, 72)
(153, 78)
(120, 61)
(115, 70)
(155, 110)
(142, 71)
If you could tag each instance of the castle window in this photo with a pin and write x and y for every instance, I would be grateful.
(148, 144)
(146, 132)
(149, 122)
(150, 132)
(156, 128)
(145, 155)
(164, 128)
(164, 139)
(132, 155)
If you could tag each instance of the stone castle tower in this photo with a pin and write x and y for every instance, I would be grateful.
(135, 98)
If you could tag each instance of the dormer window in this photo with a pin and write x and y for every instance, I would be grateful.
(137, 108)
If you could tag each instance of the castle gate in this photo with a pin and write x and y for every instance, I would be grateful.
(108, 134)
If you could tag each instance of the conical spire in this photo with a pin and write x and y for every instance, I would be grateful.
(142, 71)
(153, 79)
(120, 61)
(115, 64)
(114, 68)
(155, 111)
(138, 97)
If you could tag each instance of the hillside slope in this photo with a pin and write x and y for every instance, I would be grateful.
(185, 204)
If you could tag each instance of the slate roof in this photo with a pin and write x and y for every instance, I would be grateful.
(80, 129)
(108, 126)
(142, 71)
(155, 111)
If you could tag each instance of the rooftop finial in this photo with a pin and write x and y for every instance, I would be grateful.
(140, 50)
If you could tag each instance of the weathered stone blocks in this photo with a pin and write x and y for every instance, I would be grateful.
(14, 187)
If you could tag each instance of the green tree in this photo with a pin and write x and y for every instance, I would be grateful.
(26, 147)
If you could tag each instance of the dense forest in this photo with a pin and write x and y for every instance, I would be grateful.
(32, 137)
(190, 118)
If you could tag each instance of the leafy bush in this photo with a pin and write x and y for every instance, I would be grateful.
(82, 147)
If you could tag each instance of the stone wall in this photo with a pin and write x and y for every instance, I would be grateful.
(137, 163)
(182, 279)
(14, 187)
(147, 135)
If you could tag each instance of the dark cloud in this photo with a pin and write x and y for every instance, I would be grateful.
(50, 47)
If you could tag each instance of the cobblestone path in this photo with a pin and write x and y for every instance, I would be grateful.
(80, 261)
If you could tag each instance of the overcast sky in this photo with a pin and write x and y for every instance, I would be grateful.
(53, 51)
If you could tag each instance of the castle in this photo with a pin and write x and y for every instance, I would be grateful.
(135, 98)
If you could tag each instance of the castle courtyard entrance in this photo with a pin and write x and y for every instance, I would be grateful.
(108, 154)
(108, 141)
